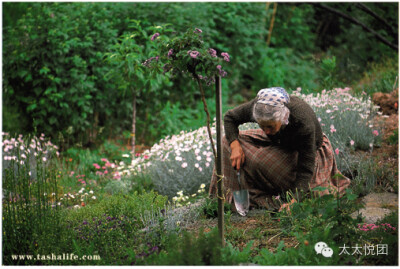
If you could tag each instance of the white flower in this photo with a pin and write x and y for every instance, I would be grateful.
(202, 186)
(198, 158)
(77, 206)
(94, 197)
(44, 159)
(91, 192)
(125, 155)
(184, 165)
(196, 165)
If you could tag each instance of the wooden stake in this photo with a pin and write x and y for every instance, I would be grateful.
(218, 160)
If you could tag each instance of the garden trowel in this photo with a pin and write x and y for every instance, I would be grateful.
(241, 198)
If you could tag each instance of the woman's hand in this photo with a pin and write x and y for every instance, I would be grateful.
(237, 155)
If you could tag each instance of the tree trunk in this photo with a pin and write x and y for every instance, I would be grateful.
(133, 134)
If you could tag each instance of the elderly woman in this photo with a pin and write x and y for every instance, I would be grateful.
(288, 153)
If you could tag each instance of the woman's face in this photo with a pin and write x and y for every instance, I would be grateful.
(270, 127)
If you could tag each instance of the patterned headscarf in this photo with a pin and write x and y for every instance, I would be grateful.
(275, 96)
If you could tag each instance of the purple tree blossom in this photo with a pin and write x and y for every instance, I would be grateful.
(226, 56)
(155, 36)
(170, 52)
(222, 73)
(194, 54)
(212, 52)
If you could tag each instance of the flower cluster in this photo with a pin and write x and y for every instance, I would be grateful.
(22, 150)
(370, 227)
(106, 168)
(178, 162)
(182, 200)
(78, 199)
(347, 120)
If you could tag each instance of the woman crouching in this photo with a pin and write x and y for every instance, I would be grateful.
(289, 153)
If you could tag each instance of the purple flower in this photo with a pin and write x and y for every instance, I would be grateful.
(222, 73)
(197, 30)
(194, 54)
(155, 36)
(226, 56)
(170, 52)
(212, 52)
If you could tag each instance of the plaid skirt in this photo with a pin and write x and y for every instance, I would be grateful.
(270, 170)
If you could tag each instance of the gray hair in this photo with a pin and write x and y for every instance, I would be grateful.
(263, 112)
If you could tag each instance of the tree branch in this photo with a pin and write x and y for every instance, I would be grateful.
(353, 20)
(376, 16)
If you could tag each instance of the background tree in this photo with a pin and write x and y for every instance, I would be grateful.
(127, 69)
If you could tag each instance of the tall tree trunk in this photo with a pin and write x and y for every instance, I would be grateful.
(133, 134)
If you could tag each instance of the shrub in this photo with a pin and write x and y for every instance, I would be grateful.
(379, 77)
(205, 249)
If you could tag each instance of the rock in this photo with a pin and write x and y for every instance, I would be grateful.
(388, 102)
(377, 206)
(373, 214)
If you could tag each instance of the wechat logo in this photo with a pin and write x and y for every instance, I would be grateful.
(322, 248)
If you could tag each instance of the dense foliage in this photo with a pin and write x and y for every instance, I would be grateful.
(57, 82)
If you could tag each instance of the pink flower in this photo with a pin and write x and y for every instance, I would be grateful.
(226, 56)
(337, 151)
(96, 166)
(104, 160)
(375, 132)
(333, 129)
(146, 157)
(212, 52)
(197, 30)
(155, 36)
(184, 165)
(117, 175)
(194, 54)
(352, 142)
(170, 52)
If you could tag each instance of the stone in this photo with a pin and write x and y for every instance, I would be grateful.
(377, 206)
(388, 102)
(372, 215)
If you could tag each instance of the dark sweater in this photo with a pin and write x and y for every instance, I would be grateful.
(303, 134)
